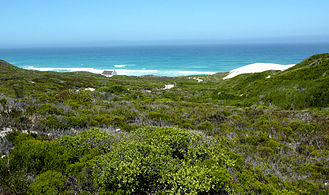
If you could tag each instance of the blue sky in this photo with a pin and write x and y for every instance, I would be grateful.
(108, 22)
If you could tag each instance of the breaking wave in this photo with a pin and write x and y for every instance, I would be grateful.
(128, 72)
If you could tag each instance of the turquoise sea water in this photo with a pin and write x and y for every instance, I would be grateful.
(160, 60)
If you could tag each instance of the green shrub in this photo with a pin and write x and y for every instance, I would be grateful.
(295, 124)
(273, 144)
(206, 126)
(287, 131)
(115, 89)
(158, 116)
(307, 128)
(257, 138)
(308, 187)
(47, 109)
(187, 125)
(107, 120)
(52, 122)
(203, 177)
(266, 151)
(3, 102)
(49, 182)
(73, 103)
(166, 159)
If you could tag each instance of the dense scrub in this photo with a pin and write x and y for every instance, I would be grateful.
(247, 134)
(156, 160)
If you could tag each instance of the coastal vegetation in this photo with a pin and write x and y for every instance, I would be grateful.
(82, 133)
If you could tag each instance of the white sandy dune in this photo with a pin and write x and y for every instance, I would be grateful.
(198, 79)
(257, 67)
(169, 86)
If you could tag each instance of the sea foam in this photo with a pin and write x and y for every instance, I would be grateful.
(92, 70)
(129, 72)
(120, 65)
(195, 73)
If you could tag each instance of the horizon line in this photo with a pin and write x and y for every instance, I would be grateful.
(163, 44)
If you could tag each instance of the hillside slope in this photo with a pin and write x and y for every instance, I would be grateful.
(304, 85)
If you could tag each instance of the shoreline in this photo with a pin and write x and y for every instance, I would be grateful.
(127, 72)
(250, 68)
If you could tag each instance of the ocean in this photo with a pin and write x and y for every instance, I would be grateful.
(159, 60)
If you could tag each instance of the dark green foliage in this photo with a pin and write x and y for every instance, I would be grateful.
(3, 101)
(115, 89)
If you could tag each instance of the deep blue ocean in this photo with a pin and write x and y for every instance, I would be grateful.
(160, 60)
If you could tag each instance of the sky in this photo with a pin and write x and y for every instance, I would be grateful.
(35, 23)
